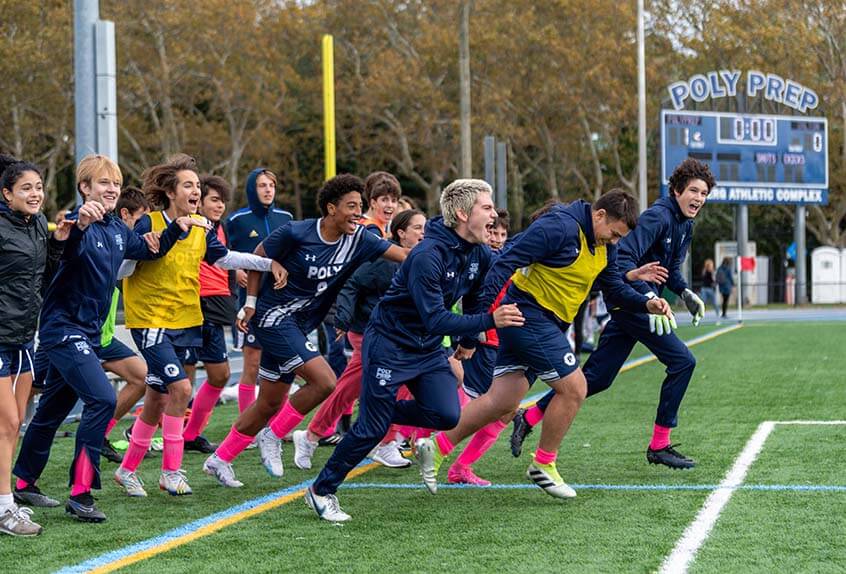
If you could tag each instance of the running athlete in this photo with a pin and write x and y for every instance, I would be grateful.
(663, 234)
(163, 314)
(552, 266)
(402, 342)
(247, 228)
(75, 306)
(478, 374)
(24, 252)
(355, 305)
(218, 305)
(319, 255)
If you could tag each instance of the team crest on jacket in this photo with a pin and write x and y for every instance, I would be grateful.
(119, 241)
(474, 268)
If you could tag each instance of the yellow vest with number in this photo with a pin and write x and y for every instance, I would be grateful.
(563, 289)
(165, 293)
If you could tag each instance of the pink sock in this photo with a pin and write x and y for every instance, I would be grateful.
(534, 415)
(20, 484)
(286, 421)
(83, 474)
(246, 396)
(110, 426)
(142, 434)
(545, 456)
(463, 399)
(660, 437)
(350, 409)
(204, 403)
(233, 445)
(484, 439)
(174, 444)
(444, 444)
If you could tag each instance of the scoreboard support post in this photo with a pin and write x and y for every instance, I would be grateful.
(743, 250)
(801, 271)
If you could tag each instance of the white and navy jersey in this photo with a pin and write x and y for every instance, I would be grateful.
(317, 270)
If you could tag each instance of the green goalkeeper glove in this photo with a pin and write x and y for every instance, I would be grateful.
(694, 304)
(661, 324)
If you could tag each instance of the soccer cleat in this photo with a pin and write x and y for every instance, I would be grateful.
(32, 496)
(108, 452)
(463, 474)
(521, 430)
(326, 507)
(389, 455)
(303, 449)
(669, 456)
(270, 449)
(175, 483)
(546, 476)
(82, 508)
(222, 471)
(430, 458)
(17, 521)
(331, 440)
(130, 482)
(200, 444)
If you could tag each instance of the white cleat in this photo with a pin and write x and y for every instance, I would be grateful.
(429, 460)
(389, 455)
(222, 471)
(130, 482)
(546, 476)
(326, 507)
(303, 449)
(270, 449)
(175, 483)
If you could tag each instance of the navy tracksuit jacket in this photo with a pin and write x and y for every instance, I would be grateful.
(402, 345)
(663, 234)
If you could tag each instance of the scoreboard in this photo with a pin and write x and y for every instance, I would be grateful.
(755, 158)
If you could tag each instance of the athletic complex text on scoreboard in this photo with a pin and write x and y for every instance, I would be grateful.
(756, 158)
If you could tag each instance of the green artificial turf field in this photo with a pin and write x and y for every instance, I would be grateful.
(787, 516)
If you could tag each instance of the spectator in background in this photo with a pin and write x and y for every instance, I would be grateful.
(708, 291)
(725, 282)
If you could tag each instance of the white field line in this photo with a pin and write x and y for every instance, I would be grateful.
(679, 560)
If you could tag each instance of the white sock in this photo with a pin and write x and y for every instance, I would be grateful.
(7, 501)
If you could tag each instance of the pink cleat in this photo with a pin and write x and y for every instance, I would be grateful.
(463, 474)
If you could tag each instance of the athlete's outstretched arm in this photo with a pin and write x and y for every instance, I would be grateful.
(650, 228)
(396, 253)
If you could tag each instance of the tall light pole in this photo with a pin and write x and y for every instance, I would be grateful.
(641, 108)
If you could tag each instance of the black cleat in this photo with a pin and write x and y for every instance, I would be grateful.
(108, 452)
(669, 456)
(32, 496)
(200, 444)
(83, 509)
(521, 430)
(330, 440)
(127, 434)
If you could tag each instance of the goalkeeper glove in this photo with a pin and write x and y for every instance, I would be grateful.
(661, 324)
(694, 304)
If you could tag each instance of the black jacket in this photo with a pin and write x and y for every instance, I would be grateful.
(360, 294)
(25, 251)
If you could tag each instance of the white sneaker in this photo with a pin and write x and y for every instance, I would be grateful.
(17, 521)
(222, 471)
(270, 449)
(174, 482)
(389, 455)
(303, 449)
(546, 476)
(326, 507)
(130, 482)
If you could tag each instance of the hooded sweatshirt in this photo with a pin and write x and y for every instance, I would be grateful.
(24, 253)
(249, 226)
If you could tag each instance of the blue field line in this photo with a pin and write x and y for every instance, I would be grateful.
(619, 487)
(121, 553)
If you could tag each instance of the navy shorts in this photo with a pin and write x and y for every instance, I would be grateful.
(250, 339)
(15, 359)
(165, 350)
(114, 351)
(284, 349)
(478, 371)
(213, 349)
(539, 348)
